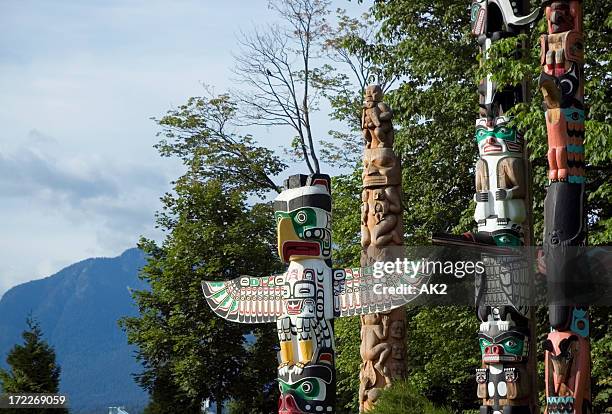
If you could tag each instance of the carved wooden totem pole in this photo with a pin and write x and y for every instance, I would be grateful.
(306, 298)
(567, 359)
(507, 379)
(382, 334)
(506, 382)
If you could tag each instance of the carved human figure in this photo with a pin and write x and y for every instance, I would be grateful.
(562, 59)
(385, 206)
(374, 330)
(501, 185)
(376, 119)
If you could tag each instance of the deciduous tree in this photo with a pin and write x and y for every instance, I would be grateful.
(188, 354)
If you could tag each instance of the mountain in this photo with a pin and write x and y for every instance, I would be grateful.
(78, 309)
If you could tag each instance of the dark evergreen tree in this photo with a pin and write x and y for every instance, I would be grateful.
(33, 368)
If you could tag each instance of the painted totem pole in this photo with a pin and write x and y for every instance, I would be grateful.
(382, 334)
(507, 379)
(506, 382)
(306, 298)
(567, 359)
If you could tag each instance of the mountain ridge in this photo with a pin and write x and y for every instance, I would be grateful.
(78, 308)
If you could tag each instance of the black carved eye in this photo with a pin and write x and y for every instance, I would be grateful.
(301, 217)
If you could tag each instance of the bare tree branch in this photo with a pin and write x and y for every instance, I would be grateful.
(276, 63)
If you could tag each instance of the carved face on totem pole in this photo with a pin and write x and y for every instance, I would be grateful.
(566, 366)
(497, 138)
(560, 17)
(380, 168)
(507, 346)
(505, 349)
(373, 93)
(306, 375)
(310, 391)
(303, 220)
(376, 119)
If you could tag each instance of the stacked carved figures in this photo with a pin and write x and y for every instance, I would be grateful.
(567, 360)
(306, 298)
(382, 334)
(507, 379)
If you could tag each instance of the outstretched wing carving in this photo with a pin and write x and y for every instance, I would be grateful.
(355, 293)
(246, 299)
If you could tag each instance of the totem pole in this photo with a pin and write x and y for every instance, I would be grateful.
(382, 334)
(306, 298)
(567, 358)
(506, 382)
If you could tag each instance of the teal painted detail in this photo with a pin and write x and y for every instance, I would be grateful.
(574, 115)
(475, 10)
(574, 179)
(507, 240)
(302, 219)
(560, 405)
(575, 148)
(580, 322)
(307, 389)
(499, 132)
(512, 346)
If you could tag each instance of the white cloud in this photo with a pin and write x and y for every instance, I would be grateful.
(60, 206)
(80, 81)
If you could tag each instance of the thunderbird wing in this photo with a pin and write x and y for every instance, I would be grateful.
(361, 292)
(246, 299)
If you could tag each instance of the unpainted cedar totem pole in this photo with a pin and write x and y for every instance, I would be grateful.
(382, 334)
(567, 359)
(305, 299)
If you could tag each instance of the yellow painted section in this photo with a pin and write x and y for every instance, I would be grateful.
(285, 232)
(286, 352)
(306, 351)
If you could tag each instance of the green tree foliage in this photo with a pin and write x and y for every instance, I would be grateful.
(346, 198)
(32, 368)
(402, 398)
(202, 134)
(189, 354)
(429, 46)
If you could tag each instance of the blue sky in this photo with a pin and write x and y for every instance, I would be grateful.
(79, 81)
